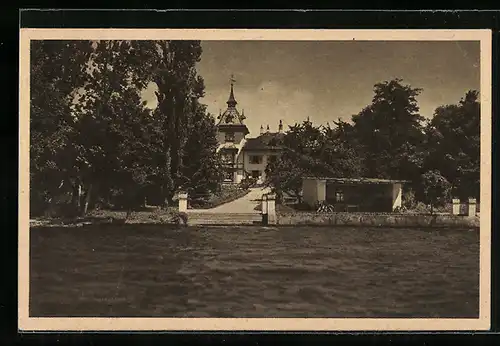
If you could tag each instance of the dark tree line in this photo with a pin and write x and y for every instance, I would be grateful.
(93, 140)
(389, 139)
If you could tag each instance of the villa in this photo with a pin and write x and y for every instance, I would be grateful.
(244, 157)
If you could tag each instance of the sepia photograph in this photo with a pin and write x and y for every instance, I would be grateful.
(254, 179)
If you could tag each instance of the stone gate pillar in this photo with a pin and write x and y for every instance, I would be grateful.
(264, 209)
(271, 209)
(456, 206)
(183, 197)
(264, 204)
(472, 207)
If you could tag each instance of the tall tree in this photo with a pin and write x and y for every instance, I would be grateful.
(179, 88)
(454, 144)
(390, 132)
(341, 151)
(111, 113)
(58, 70)
(301, 146)
(436, 189)
(312, 151)
(201, 170)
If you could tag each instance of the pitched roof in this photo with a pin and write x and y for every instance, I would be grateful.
(231, 100)
(231, 116)
(266, 141)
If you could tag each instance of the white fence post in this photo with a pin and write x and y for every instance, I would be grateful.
(264, 209)
(271, 209)
(456, 206)
(183, 197)
(472, 207)
(264, 204)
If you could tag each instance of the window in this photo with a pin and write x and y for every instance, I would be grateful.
(229, 118)
(228, 158)
(339, 196)
(228, 176)
(255, 159)
(229, 137)
(256, 174)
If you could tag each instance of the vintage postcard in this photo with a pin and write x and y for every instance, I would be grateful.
(254, 180)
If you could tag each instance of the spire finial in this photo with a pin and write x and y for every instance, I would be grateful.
(267, 130)
(231, 102)
(261, 129)
(280, 126)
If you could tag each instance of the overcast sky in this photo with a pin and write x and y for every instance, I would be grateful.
(292, 80)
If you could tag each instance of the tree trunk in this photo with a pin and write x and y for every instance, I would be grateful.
(87, 200)
(76, 197)
(108, 198)
(49, 211)
(79, 196)
(174, 144)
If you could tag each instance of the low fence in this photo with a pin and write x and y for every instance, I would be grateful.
(463, 208)
(271, 217)
(377, 220)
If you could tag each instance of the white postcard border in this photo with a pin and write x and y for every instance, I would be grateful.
(27, 323)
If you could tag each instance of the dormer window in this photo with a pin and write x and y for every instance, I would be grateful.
(229, 137)
(229, 118)
(255, 159)
(228, 158)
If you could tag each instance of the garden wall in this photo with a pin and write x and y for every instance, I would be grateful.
(377, 220)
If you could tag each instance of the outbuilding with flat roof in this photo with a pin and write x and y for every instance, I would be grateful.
(354, 194)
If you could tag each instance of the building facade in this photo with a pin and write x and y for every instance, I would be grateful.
(244, 157)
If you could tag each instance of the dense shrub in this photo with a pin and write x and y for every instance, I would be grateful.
(179, 218)
(409, 200)
(436, 189)
(247, 183)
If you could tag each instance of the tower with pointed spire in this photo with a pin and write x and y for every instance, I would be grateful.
(245, 157)
(231, 133)
(231, 120)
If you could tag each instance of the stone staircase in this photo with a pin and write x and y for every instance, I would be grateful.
(200, 218)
